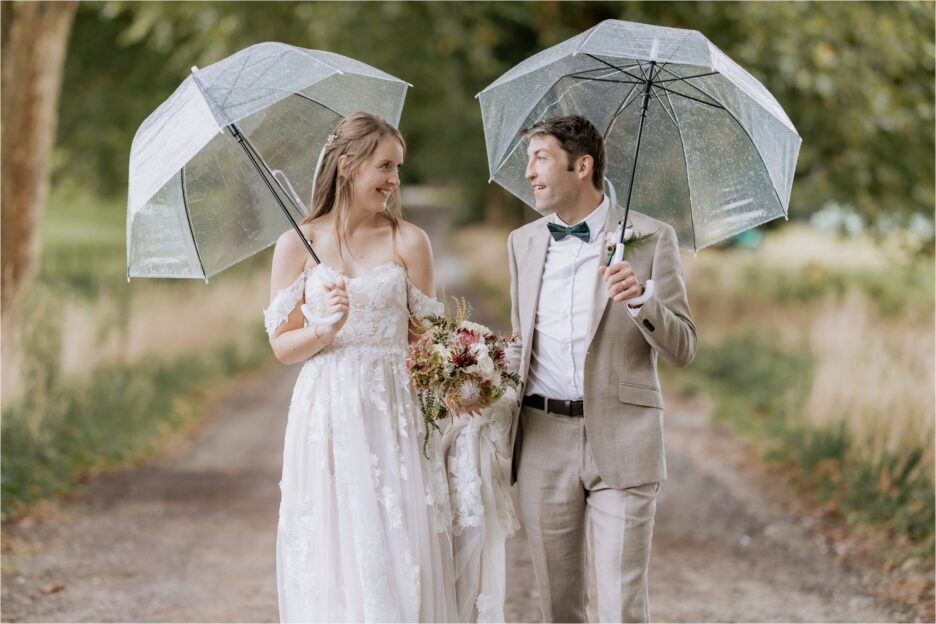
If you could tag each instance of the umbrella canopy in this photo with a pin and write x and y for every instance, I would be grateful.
(225, 165)
(716, 156)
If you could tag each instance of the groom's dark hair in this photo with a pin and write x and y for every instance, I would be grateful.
(578, 137)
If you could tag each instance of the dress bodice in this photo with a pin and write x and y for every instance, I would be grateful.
(381, 301)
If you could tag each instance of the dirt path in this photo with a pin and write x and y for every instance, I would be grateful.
(190, 537)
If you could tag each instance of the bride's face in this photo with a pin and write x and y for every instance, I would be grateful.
(378, 176)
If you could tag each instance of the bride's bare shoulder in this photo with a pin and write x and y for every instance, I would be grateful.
(414, 246)
(414, 243)
(289, 258)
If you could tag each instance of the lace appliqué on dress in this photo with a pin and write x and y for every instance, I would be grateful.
(419, 304)
(283, 303)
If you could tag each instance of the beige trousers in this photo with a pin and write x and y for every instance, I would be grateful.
(562, 499)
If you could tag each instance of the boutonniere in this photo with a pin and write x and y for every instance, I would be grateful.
(633, 240)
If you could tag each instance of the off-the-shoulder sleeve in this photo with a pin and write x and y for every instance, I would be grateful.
(419, 304)
(283, 303)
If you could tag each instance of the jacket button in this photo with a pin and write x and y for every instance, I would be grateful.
(648, 325)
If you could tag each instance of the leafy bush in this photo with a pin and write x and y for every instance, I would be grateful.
(114, 417)
(760, 389)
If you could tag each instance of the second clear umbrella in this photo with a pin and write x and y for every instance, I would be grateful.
(693, 139)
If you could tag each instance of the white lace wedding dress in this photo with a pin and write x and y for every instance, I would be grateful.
(369, 529)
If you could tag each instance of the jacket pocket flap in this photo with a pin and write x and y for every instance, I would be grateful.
(640, 395)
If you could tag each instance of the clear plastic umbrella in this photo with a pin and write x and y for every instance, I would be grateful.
(716, 152)
(223, 167)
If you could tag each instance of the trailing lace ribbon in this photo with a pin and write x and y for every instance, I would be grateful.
(475, 449)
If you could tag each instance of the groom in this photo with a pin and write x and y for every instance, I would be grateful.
(588, 442)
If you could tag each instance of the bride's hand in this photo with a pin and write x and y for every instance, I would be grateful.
(336, 302)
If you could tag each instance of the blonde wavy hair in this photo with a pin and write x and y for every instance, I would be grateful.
(356, 136)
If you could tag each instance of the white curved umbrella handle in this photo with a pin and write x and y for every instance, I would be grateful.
(618, 254)
(309, 314)
(334, 277)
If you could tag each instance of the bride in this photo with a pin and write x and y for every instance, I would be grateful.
(369, 530)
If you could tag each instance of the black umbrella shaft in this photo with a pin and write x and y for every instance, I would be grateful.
(644, 103)
(264, 173)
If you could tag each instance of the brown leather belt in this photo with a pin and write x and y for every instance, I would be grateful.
(555, 406)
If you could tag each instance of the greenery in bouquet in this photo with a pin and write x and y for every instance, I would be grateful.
(457, 367)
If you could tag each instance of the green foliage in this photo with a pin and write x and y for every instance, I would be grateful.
(893, 289)
(83, 245)
(758, 390)
(856, 78)
(115, 417)
(770, 383)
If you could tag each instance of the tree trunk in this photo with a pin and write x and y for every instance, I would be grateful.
(33, 42)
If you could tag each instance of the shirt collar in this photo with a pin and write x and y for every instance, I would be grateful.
(596, 219)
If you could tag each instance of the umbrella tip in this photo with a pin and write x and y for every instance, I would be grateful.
(194, 68)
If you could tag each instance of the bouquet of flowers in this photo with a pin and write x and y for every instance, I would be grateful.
(457, 367)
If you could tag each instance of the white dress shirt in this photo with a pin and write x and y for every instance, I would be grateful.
(564, 310)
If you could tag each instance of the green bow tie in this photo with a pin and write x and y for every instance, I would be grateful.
(559, 232)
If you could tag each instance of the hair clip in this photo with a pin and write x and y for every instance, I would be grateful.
(332, 137)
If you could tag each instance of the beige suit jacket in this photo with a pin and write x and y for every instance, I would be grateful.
(622, 399)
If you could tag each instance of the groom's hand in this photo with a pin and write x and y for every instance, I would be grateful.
(621, 281)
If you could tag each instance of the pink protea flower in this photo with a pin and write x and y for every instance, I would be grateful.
(466, 337)
(463, 358)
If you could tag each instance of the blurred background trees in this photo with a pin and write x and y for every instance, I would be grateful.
(34, 40)
(855, 78)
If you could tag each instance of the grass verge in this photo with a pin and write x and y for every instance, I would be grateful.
(113, 417)
(759, 390)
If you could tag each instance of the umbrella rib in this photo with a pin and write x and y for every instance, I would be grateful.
(714, 73)
(616, 68)
(188, 217)
(598, 69)
(306, 97)
(623, 105)
(643, 75)
(699, 89)
(665, 110)
(625, 102)
(682, 143)
(746, 133)
(689, 97)
(633, 82)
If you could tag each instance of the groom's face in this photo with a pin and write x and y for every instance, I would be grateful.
(548, 171)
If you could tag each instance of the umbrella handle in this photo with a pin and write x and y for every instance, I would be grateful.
(618, 254)
(309, 314)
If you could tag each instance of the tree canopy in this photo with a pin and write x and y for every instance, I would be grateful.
(857, 79)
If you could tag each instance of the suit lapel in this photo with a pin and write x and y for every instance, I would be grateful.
(600, 295)
(531, 279)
